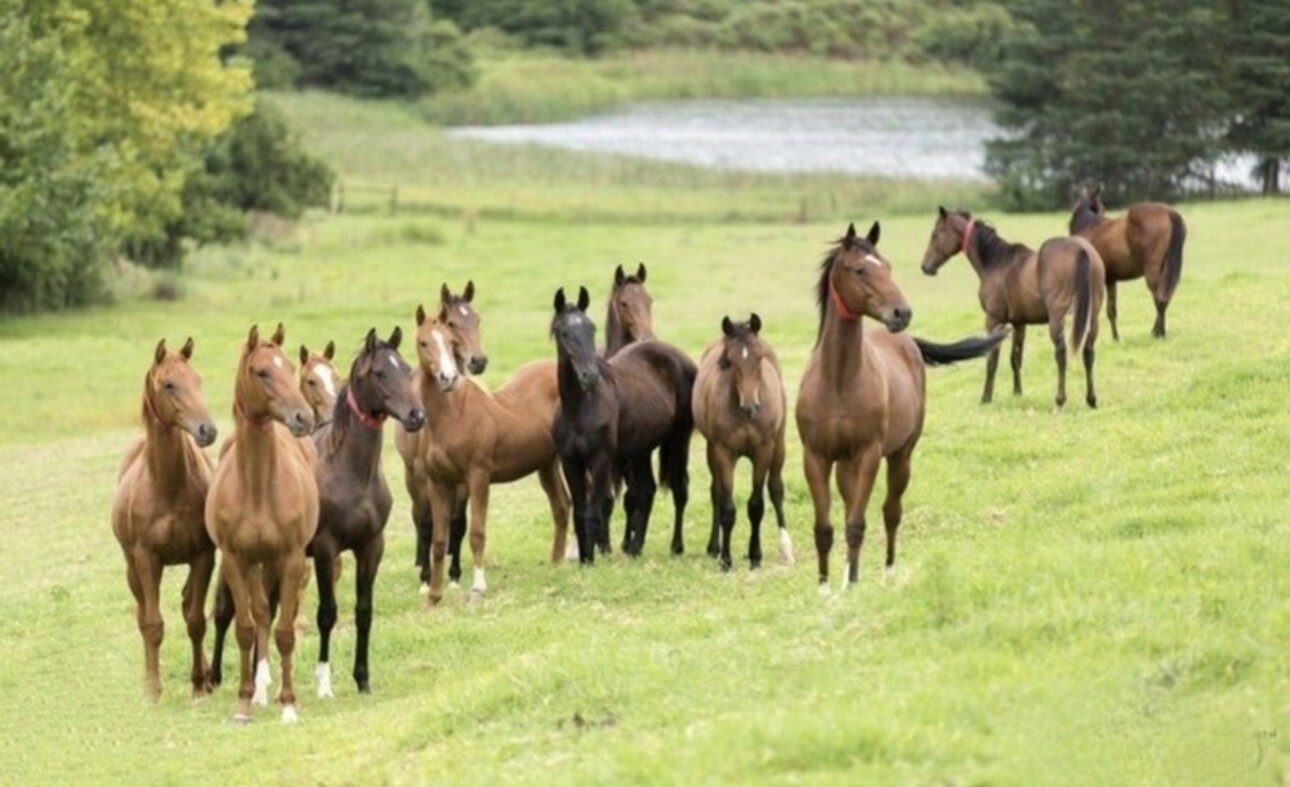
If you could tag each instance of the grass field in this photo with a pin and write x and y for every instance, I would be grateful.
(1085, 597)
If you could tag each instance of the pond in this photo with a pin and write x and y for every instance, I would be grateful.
(895, 136)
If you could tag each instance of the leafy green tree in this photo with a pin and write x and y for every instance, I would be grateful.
(1260, 85)
(576, 26)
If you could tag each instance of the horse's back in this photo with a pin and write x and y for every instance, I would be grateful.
(654, 382)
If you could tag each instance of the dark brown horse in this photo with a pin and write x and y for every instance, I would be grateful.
(862, 394)
(614, 414)
(262, 511)
(157, 516)
(474, 439)
(740, 408)
(1146, 241)
(629, 316)
(1021, 287)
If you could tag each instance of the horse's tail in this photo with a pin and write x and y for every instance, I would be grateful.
(1083, 301)
(972, 347)
(674, 454)
(1173, 258)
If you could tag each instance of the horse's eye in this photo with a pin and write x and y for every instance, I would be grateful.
(263, 374)
(311, 383)
(380, 374)
(421, 343)
(170, 387)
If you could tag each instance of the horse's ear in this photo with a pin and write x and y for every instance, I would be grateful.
(584, 298)
(160, 354)
(559, 300)
(619, 276)
(329, 351)
(469, 293)
(279, 336)
(421, 314)
(444, 294)
(727, 327)
(1097, 191)
(396, 338)
(944, 213)
(754, 323)
(187, 349)
(253, 337)
(849, 239)
(640, 271)
(874, 232)
(369, 341)
(304, 354)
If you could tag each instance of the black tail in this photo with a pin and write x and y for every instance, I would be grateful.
(973, 347)
(1173, 258)
(674, 454)
(1083, 301)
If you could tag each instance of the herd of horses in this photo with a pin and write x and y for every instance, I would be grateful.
(301, 474)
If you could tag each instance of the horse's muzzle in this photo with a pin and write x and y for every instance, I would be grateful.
(898, 319)
(930, 267)
(414, 420)
(205, 434)
(300, 424)
(477, 364)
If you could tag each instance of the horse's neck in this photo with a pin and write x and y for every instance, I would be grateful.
(257, 457)
(355, 445)
(842, 351)
(170, 456)
(465, 402)
(572, 397)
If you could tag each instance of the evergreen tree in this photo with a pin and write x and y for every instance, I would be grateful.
(576, 26)
(1260, 83)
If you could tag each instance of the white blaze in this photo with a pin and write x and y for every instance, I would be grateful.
(327, 378)
(447, 365)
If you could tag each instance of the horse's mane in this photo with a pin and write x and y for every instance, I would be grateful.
(826, 265)
(341, 415)
(990, 247)
(613, 328)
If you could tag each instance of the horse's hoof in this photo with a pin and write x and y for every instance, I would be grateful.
(824, 589)
(754, 563)
(425, 588)
(678, 549)
(453, 584)
(725, 565)
(289, 715)
(476, 596)
(714, 551)
(241, 718)
(364, 687)
(786, 547)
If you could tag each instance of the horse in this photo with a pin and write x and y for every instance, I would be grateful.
(862, 395)
(628, 317)
(1146, 241)
(461, 324)
(157, 514)
(739, 407)
(474, 439)
(262, 511)
(319, 382)
(613, 414)
(1021, 287)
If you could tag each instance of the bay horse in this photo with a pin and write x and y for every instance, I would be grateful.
(474, 439)
(613, 414)
(739, 407)
(1021, 286)
(461, 323)
(1146, 241)
(262, 511)
(157, 514)
(319, 382)
(862, 395)
(628, 317)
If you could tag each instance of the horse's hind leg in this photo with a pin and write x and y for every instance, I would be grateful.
(776, 484)
(860, 475)
(1112, 314)
(1059, 352)
(558, 497)
(289, 572)
(817, 469)
(898, 472)
(639, 501)
(199, 581)
(456, 535)
(479, 480)
(575, 476)
(143, 570)
(717, 497)
(1090, 395)
(368, 560)
(324, 557)
(425, 532)
(991, 366)
(757, 508)
(1018, 347)
(1158, 329)
(223, 617)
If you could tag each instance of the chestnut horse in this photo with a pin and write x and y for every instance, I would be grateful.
(474, 439)
(614, 414)
(1146, 241)
(319, 382)
(262, 511)
(628, 317)
(862, 394)
(157, 514)
(739, 406)
(461, 323)
(1021, 287)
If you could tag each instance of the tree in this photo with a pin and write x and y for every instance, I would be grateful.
(1260, 85)
(576, 26)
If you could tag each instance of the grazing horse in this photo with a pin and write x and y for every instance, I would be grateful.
(862, 394)
(1145, 241)
(614, 414)
(319, 382)
(1021, 287)
(739, 407)
(474, 439)
(262, 511)
(628, 317)
(461, 324)
(157, 514)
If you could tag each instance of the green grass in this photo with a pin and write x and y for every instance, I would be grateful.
(1090, 597)
(536, 88)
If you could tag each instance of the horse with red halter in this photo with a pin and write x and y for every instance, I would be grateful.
(262, 511)
(157, 515)
(862, 396)
(1146, 241)
(740, 407)
(1021, 286)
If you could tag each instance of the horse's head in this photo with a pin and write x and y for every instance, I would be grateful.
(742, 351)
(381, 383)
(436, 349)
(630, 306)
(458, 316)
(1089, 209)
(857, 281)
(266, 385)
(319, 381)
(950, 235)
(575, 338)
(173, 394)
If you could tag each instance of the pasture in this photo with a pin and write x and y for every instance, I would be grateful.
(1080, 597)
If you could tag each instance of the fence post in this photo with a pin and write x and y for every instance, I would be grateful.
(337, 202)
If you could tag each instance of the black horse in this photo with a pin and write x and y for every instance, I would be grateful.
(613, 414)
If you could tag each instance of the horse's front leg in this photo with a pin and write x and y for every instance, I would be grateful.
(238, 582)
(324, 557)
(575, 477)
(199, 581)
(776, 484)
(638, 500)
(456, 534)
(601, 499)
(558, 497)
(442, 498)
(223, 618)
(722, 466)
(1018, 348)
(862, 474)
(143, 570)
(479, 481)
(368, 559)
(817, 469)
(290, 575)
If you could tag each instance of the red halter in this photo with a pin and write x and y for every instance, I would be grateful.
(967, 235)
(370, 421)
(150, 410)
(844, 313)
